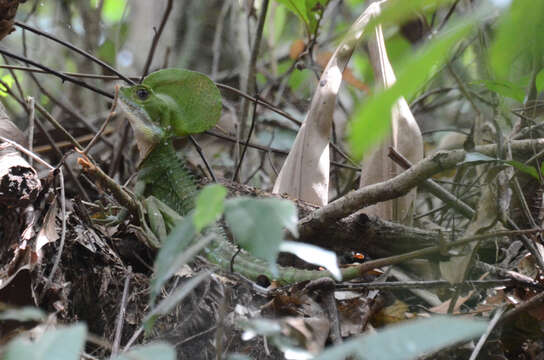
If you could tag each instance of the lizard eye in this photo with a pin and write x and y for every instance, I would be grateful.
(142, 94)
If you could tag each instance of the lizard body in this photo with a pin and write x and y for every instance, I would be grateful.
(157, 111)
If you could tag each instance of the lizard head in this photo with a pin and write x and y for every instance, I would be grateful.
(168, 103)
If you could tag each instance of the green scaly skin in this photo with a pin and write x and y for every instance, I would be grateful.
(168, 180)
(156, 119)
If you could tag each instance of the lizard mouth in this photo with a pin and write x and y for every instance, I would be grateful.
(147, 134)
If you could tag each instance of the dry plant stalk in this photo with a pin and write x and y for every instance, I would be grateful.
(405, 138)
(305, 173)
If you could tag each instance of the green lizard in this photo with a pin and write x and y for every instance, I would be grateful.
(171, 103)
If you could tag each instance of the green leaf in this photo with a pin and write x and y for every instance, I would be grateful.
(539, 81)
(26, 313)
(167, 261)
(107, 52)
(113, 10)
(260, 326)
(236, 356)
(314, 255)
(275, 333)
(209, 205)
(8, 81)
(371, 120)
(313, 9)
(408, 340)
(280, 18)
(476, 158)
(156, 351)
(398, 11)
(305, 10)
(530, 170)
(518, 37)
(64, 343)
(298, 7)
(168, 303)
(257, 225)
(506, 89)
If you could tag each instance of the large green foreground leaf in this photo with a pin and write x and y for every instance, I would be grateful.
(408, 340)
(371, 121)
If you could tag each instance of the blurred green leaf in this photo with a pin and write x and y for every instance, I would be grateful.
(209, 205)
(260, 326)
(237, 356)
(371, 120)
(156, 351)
(8, 81)
(107, 52)
(299, 78)
(363, 67)
(476, 158)
(168, 303)
(506, 89)
(518, 37)
(63, 343)
(408, 340)
(168, 260)
(395, 12)
(527, 169)
(112, 10)
(539, 81)
(314, 255)
(280, 18)
(23, 314)
(276, 333)
(257, 225)
(398, 49)
(297, 7)
(306, 10)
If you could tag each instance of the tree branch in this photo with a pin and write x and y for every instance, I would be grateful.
(399, 185)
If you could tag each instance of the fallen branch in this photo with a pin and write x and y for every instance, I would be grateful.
(399, 185)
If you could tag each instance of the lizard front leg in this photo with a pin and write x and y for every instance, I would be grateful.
(160, 220)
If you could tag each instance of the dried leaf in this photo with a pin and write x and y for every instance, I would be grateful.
(48, 233)
(305, 173)
(405, 138)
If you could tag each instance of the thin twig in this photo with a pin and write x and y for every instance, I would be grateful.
(58, 126)
(74, 48)
(397, 186)
(432, 284)
(271, 149)
(17, 82)
(31, 120)
(533, 302)
(156, 38)
(56, 73)
(251, 128)
(217, 43)
(252, 66)
(484, 337)
(199, 150)
(67, 109)
(435, 189)
(104, 124)
(360, 269)
(62, 236)
(27, 152)
(121, 316)
(262, 102)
